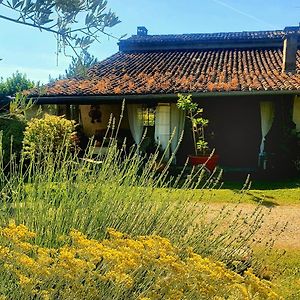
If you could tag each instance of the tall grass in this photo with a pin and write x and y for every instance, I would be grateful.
(57, 191)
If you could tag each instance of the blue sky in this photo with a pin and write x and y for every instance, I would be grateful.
(33, 52)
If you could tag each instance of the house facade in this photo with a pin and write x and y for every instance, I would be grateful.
(248, 84)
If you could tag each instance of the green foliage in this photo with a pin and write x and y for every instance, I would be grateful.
(284, 269)
(282, 145)
(118, 189)
(75, 23)
(121, 267)
(79, 65)
(202, 146)
(194, 114)
(51, 132)
(12, 129)
(16, 83)
(19, 106)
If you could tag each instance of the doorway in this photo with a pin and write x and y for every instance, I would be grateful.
(235, 131)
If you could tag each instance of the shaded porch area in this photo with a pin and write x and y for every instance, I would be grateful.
(251, 134)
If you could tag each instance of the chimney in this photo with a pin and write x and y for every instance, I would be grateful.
(290, 45)
(142, 31)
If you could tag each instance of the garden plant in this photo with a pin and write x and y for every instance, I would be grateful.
(198, 123)
(56, 210)
(120, 267)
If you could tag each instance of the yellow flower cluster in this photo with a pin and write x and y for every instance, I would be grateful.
(120, 267)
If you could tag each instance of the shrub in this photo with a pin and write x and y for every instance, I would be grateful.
(54, 133)
(12, 136)
(146, 267)
(121, 190)
(197, 122)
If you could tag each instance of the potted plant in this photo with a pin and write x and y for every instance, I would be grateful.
(202, 154)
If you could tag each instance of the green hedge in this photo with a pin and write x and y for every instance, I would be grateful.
(12, 136)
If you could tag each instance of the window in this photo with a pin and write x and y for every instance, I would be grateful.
(149, 116)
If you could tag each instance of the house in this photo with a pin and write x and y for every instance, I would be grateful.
(247, 82)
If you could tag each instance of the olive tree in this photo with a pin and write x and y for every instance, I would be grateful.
(76, 24)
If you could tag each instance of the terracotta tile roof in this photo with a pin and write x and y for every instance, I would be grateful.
(183, 71)
(243, 35)
(244, 39)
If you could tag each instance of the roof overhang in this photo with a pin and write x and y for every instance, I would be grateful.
(127, 46)
(134, 98)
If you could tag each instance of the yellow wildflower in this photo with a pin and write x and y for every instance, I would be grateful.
(150, 265)
(24, 280)
(114, 233)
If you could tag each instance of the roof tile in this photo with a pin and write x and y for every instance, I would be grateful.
(182, 71)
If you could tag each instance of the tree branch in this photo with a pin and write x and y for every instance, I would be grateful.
(49, 29)
(30, 25)
(40, 15)
(93, 33)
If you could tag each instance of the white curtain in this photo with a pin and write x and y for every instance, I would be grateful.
(267, 111)
(296, 113)
(162, 125)
(135, 117)
(177, 125)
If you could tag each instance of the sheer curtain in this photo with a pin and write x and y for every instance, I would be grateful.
(135, 117)
(177, 125)
(162, 125)
(296, 113)
(267, 112)
(168, 118)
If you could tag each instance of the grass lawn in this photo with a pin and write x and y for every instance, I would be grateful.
(284, 270)
(266, 193)
(265, 197)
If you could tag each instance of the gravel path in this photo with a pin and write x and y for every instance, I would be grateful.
(288, 239)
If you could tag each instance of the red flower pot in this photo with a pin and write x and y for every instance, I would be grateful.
(210, 162)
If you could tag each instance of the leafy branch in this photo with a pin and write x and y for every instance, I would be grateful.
(76, 24)
(198, 123)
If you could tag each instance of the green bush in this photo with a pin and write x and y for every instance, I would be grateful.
(16, 83)
(123, 191)
(53, 133)
(12, 130)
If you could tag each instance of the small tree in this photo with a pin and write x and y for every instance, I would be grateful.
(198, 123)
(79, 66)
(16, 83)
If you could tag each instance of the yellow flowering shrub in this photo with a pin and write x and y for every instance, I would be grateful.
(120, 267)
(50, 132)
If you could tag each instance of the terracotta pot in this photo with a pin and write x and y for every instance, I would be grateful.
(209, 162)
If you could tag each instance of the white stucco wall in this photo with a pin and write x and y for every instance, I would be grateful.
(91, 129)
